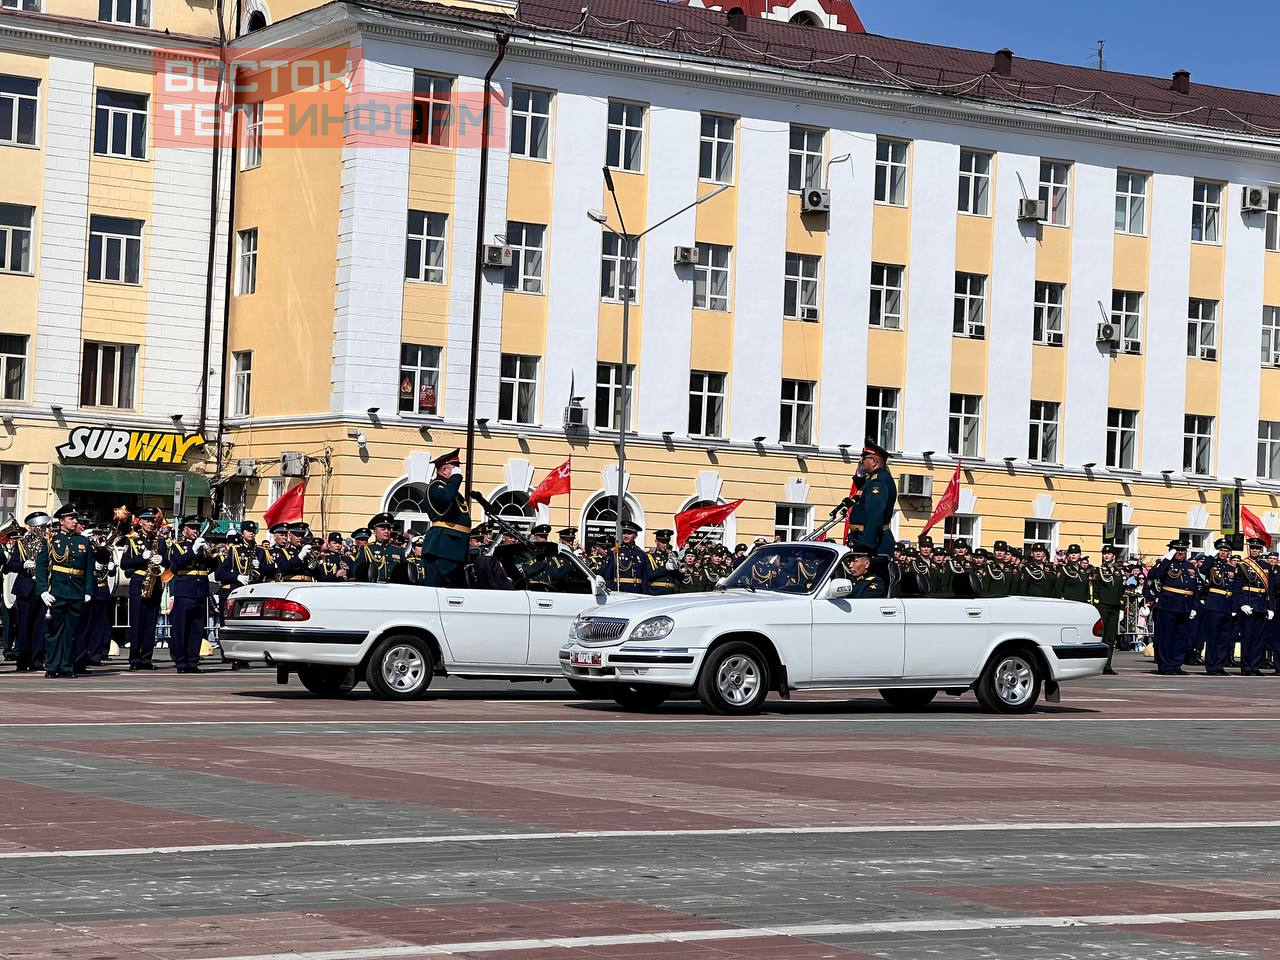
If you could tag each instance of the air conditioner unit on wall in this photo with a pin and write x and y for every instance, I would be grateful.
(293, 463)
(816, 201)
(1108, 333)
(1029, 209)
(245, 468)
(497, 255)
(915, 485)
(575, 416)
(685, 255)
(1255, 199)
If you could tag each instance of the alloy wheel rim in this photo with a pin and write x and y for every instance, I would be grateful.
(738, 679)
(1014, 678)
(403, 668)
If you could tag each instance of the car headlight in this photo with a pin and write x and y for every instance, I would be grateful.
(654, 628)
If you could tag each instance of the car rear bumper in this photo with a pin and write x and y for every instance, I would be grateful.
(1079, 660)
(288, 644)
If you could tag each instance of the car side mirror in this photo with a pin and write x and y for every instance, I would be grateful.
(722, 583)
(838, 589)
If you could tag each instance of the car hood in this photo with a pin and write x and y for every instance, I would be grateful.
(641, 608)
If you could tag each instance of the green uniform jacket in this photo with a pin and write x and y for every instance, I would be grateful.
(65, 569)
(868, 585)
(450, 530)
(1108, 594)
(1073, 584)
(869, 517)
(1036, 581)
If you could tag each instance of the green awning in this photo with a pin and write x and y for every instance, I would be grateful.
(155, 483)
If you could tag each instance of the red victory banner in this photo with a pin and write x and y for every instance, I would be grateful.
(949, 503)
(288, 507)
(1252, 527)
(688, 521)
(554, 484)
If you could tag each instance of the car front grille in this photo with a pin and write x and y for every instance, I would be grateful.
(601, 630)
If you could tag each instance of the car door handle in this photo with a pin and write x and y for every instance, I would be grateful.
(974, 611)
(888, 611)
(546, 603)
(453, 601)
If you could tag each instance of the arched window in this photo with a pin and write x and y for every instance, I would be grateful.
(715, 532)
(408, 502)
(600, 518)
(257, 20)
(513, 507)
(805, 19)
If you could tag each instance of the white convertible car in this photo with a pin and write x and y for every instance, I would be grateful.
(396, 637)
(732, 647)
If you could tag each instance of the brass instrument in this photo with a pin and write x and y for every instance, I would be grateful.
(153, 578)
(12, 529)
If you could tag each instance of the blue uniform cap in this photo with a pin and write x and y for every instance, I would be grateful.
(248, 526)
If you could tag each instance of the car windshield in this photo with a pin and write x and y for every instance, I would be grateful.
(783, 568)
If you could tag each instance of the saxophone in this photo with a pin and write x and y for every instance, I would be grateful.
(151, 581)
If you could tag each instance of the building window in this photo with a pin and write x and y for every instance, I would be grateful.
(107, 375)
(1273, 212)
(804, 170)
(1055, 182)
(10, 486)
(247, 275)
(1126, 314)
(609, 395)
(432, 109)
(1206, 212)
(795, 424)
(706, 404)
(882, 416)
(970, 318)
(1042, 442)
(530, 123)
(1202, 329)
(115, 249)
(251, 149)
(1131, 203)
(120, 126)
(1047, 319)
(19, 97)
(242, 389)
(513, 507)
(617, 270)
(518, 389)
(624, 149)
(1271, 336)
(1197, 445)
(13, 366)
(961, 530)
(136, 13)
(1039, 531)
(525, 273)
(424, 255)
(886, 296)
(419, 379)
(715, 149)
(1122, 438)
(964, 429)
(891, 171)
(800, 288)
(711, 277)
(1268, 450)
(600, 519)
(975, 183)
(791, 521)
(15, 237)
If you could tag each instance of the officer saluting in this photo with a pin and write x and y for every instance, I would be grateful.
(444, 549)
(1252, 604)
(64, 576)
(1172, 588)
(870, 515)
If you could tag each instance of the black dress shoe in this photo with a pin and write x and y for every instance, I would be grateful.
(194, 670)
(145, 666)
(50, 675)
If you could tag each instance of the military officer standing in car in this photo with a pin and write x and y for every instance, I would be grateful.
(64, 576)
(444, 549)
(870, 516)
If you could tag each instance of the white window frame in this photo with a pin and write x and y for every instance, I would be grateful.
(965, 421)
(420, 365)
(134, 120)
(1122, 434)
(1040, 531)
(31, 6)
(17, 238)
(608, 407)
(624, 138)
(1055, 191)
(1271, 336)
(792, 521)
(1273, 220)
(962, 528)
(132, 13)
(805, 157)
(242, 385)
(1202, 330)
(518, 388)
(428, 240)
(969, 316)
(1268, 450)
(1044, 423)
(246, 261)
(613, 261)
(531, 114)
(883, 416)
(798, 412)
(10, 488)
(122, 359)
(528, 257)
(1049, 316)
(13, 369)
(892, 168)
(1206, 212)
(801, 289)
(888, 293)
(1197, 445)
(1126, 314)
(433, 106)
(974, 196)
(712, 270)
(251, 149)
(706, 404)
(716, 148)
(1131, 202)
(124, 242)
(18, 103)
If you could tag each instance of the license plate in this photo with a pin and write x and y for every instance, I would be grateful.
(585, 659)
(251, 608)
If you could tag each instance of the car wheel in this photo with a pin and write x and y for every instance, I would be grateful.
(908, 699)
(1010, 683)
(734, 679)
(327, 681)
(640, 696)
(399, 669)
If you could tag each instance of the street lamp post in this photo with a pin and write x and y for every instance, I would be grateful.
(627, 279)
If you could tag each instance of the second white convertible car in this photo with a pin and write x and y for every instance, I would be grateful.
(732, 647)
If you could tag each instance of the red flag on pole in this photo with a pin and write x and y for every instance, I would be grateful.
(948, 504)
(1251, 526)
(690, 520)
(288, 507)
(554, 484)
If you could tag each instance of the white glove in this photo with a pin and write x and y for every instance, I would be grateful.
(48, 598)
(147, 554)
(29, 565)
(160, 567)
(1191, 615)
(1246, 610)
(244, 581)
(302, 554)
(111, 567)
(198, 545)
(257, 565)
(1271, 615)
(88, 598)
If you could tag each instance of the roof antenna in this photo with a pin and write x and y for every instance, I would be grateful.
(1101, 63)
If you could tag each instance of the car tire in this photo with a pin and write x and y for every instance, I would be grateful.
(324, 680)
(734, 679)
(400, 668)
(1010, 682)
(908, 699)
(640, 696)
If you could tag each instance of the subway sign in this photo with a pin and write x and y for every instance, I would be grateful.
(110, 445)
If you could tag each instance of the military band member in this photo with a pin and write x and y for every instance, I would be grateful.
(297, 561)
(1172, 587)
(334, 566)
(93, 645)
(567, 536)
(445, 548)
(243, 562)
(377, 560)
(188, 556)
(277, 551)
(64, 577)
(414, 569)
(662, 576)
(857, 567)
(1073, 581)
(869, 518)
(1253, 607)
(28, 620)
(630, 561)
(1038, 578)
(143, 562)
(1217, 618)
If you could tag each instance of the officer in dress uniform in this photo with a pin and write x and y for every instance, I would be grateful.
(333, 566)
(359, 540)
(1073, 581)
(189, 558)
(277, 551)
(1217, 617)
(243, 563)
(996, 581)
(1000, 555)
(377, 560)
(857, 568)
(414, 569)
(869, 517)
(1038, 578)
(1173, 589)
(445, 548)
(662, 579)
(631, 563)
(93, 645)
(1253, 606)
(1107, 585)
(298, 561)
(28, 619)
(143, 548)
(64, 576)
